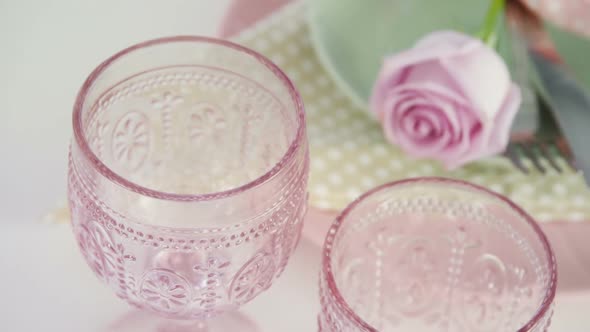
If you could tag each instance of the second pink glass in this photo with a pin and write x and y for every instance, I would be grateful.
(435, 254)
(187, 175)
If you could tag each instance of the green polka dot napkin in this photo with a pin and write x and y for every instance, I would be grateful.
(348, 151)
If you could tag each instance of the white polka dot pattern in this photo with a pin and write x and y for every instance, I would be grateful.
(349, 154)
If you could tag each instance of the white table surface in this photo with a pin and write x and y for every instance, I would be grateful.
(46, 286)
(48, 47)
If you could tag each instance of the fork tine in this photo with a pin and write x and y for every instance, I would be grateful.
(528, 150)
(541, 155)
(545, 150)
(564, 153)
(515, 158)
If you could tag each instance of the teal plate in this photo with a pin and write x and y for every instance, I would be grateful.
(351, 37)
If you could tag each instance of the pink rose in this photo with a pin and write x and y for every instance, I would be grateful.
(450, 98)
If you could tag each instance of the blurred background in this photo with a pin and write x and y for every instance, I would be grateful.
(48, 49)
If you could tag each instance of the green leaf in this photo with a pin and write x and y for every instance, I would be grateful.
(489, 30)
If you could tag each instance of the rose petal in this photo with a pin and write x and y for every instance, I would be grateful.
(433, 117)
(434, 46)
(482, 76)
(434, 94)
(433, 73)
(461, 140)
(454, 155)
(493, 139)
(446, 106)
(415, 147)
(402, 99)
(401, 109)
(504, 120)
(448, 41)
(395, 67)
(421, 127)
(387, 79)
(396, 108)
(423, 149)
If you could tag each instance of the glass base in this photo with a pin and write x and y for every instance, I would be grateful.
(143, 321)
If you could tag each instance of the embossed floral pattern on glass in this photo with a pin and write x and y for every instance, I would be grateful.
(432, 254)
(187, 175)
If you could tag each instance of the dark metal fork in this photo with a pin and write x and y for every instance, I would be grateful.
(541, 156)
(546, 150)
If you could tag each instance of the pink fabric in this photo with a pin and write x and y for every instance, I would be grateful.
(243, 13)
(572, 15)
(570, 241)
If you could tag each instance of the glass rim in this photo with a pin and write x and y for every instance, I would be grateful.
(333, 289)
(113, 176)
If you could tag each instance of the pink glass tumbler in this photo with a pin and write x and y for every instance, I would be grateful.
(187, 174)
(433, 254)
